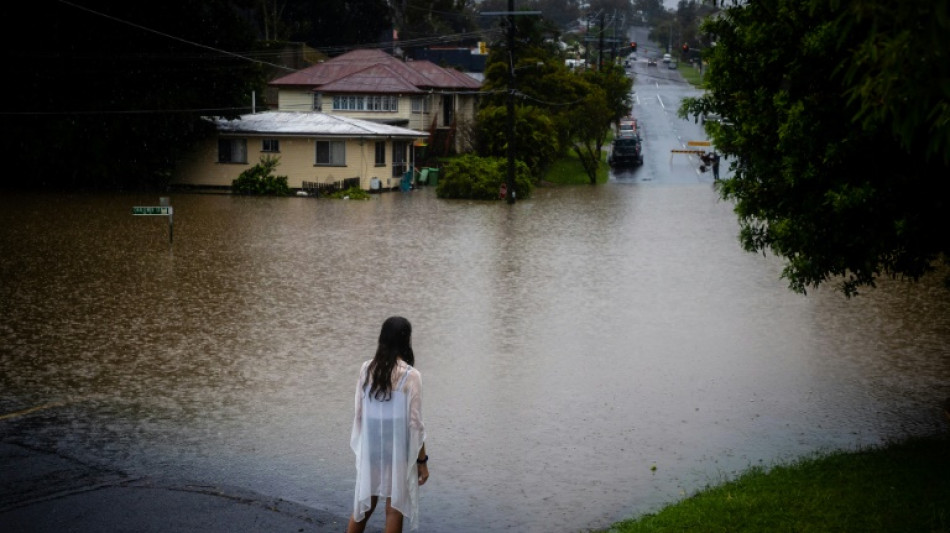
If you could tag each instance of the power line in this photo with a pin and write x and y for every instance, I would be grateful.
(123, 112)
(173, 37)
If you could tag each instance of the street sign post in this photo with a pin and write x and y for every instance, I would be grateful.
(152, 210)
(163, 210)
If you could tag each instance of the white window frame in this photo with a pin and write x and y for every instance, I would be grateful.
(377, 103)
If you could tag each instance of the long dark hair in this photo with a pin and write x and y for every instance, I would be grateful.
(395, 342)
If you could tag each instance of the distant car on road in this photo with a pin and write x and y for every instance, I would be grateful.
(667, 58)
(651, 62)
(627, 126)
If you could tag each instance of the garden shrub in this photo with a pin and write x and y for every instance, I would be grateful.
(353, 193)
(480, 178)
(260, 180)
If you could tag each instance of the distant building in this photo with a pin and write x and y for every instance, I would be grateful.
(373, 85)
(464, 59)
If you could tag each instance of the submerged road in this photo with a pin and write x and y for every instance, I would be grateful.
(658, 92)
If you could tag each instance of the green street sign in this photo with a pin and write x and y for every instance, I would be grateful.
(154, 210)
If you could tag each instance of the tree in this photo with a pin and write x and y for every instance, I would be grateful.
(338, 25)
(606, 99)
(561, 13)
(543, 85)
(838, 129)
(109, 95)
(649, 11)
(537, 137)
(580, 106)
(617, 86)
(434, 19)
(590, 123)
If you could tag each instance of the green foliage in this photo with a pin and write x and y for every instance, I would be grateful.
(568, 170)
(353, 193)
(138, 109)
(259, 180)
(838, 132)
(615, 83)
(329, 23)
(577, 107)
(536, 141)
(590, 127)
(480, 178)
(901, 487)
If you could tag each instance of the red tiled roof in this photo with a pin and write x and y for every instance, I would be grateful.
(365, 70)
(444, 78)
(373, 79)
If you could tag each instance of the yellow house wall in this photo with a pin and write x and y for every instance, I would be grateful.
(291, 100)
(302, 100)
(297, 156)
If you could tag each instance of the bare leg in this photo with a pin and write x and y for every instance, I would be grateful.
(358, 527)
(393, 519)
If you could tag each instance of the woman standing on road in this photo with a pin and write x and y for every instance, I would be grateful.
(388, 434)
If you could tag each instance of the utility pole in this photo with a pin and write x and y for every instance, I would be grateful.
(600, 57)
(510, 110)
(510, 101)
(587, 43)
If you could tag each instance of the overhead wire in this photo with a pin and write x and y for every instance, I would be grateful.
(173, 37)
(422, 41)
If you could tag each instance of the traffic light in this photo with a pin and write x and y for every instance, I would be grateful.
(633, 46)
(685, 48)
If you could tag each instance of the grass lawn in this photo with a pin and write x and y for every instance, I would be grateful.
(691, 74)
(903, 487)
(569, 171)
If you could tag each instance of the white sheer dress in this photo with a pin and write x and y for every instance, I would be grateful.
(386, 438)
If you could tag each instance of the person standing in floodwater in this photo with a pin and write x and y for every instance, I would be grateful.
(388, 435)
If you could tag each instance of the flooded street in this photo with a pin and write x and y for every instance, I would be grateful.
(568, 345)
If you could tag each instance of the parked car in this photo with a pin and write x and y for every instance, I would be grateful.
(667, 58)
(625, 151)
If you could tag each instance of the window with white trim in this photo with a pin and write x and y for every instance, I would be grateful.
(331, 153)
(374, 102)
(317, 102)
(232, 150)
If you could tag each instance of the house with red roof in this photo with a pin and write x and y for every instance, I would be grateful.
(372, 85)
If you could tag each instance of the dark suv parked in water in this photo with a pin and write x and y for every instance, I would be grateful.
(625, 152)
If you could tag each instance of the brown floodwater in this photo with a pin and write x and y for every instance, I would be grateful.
(587, 355)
